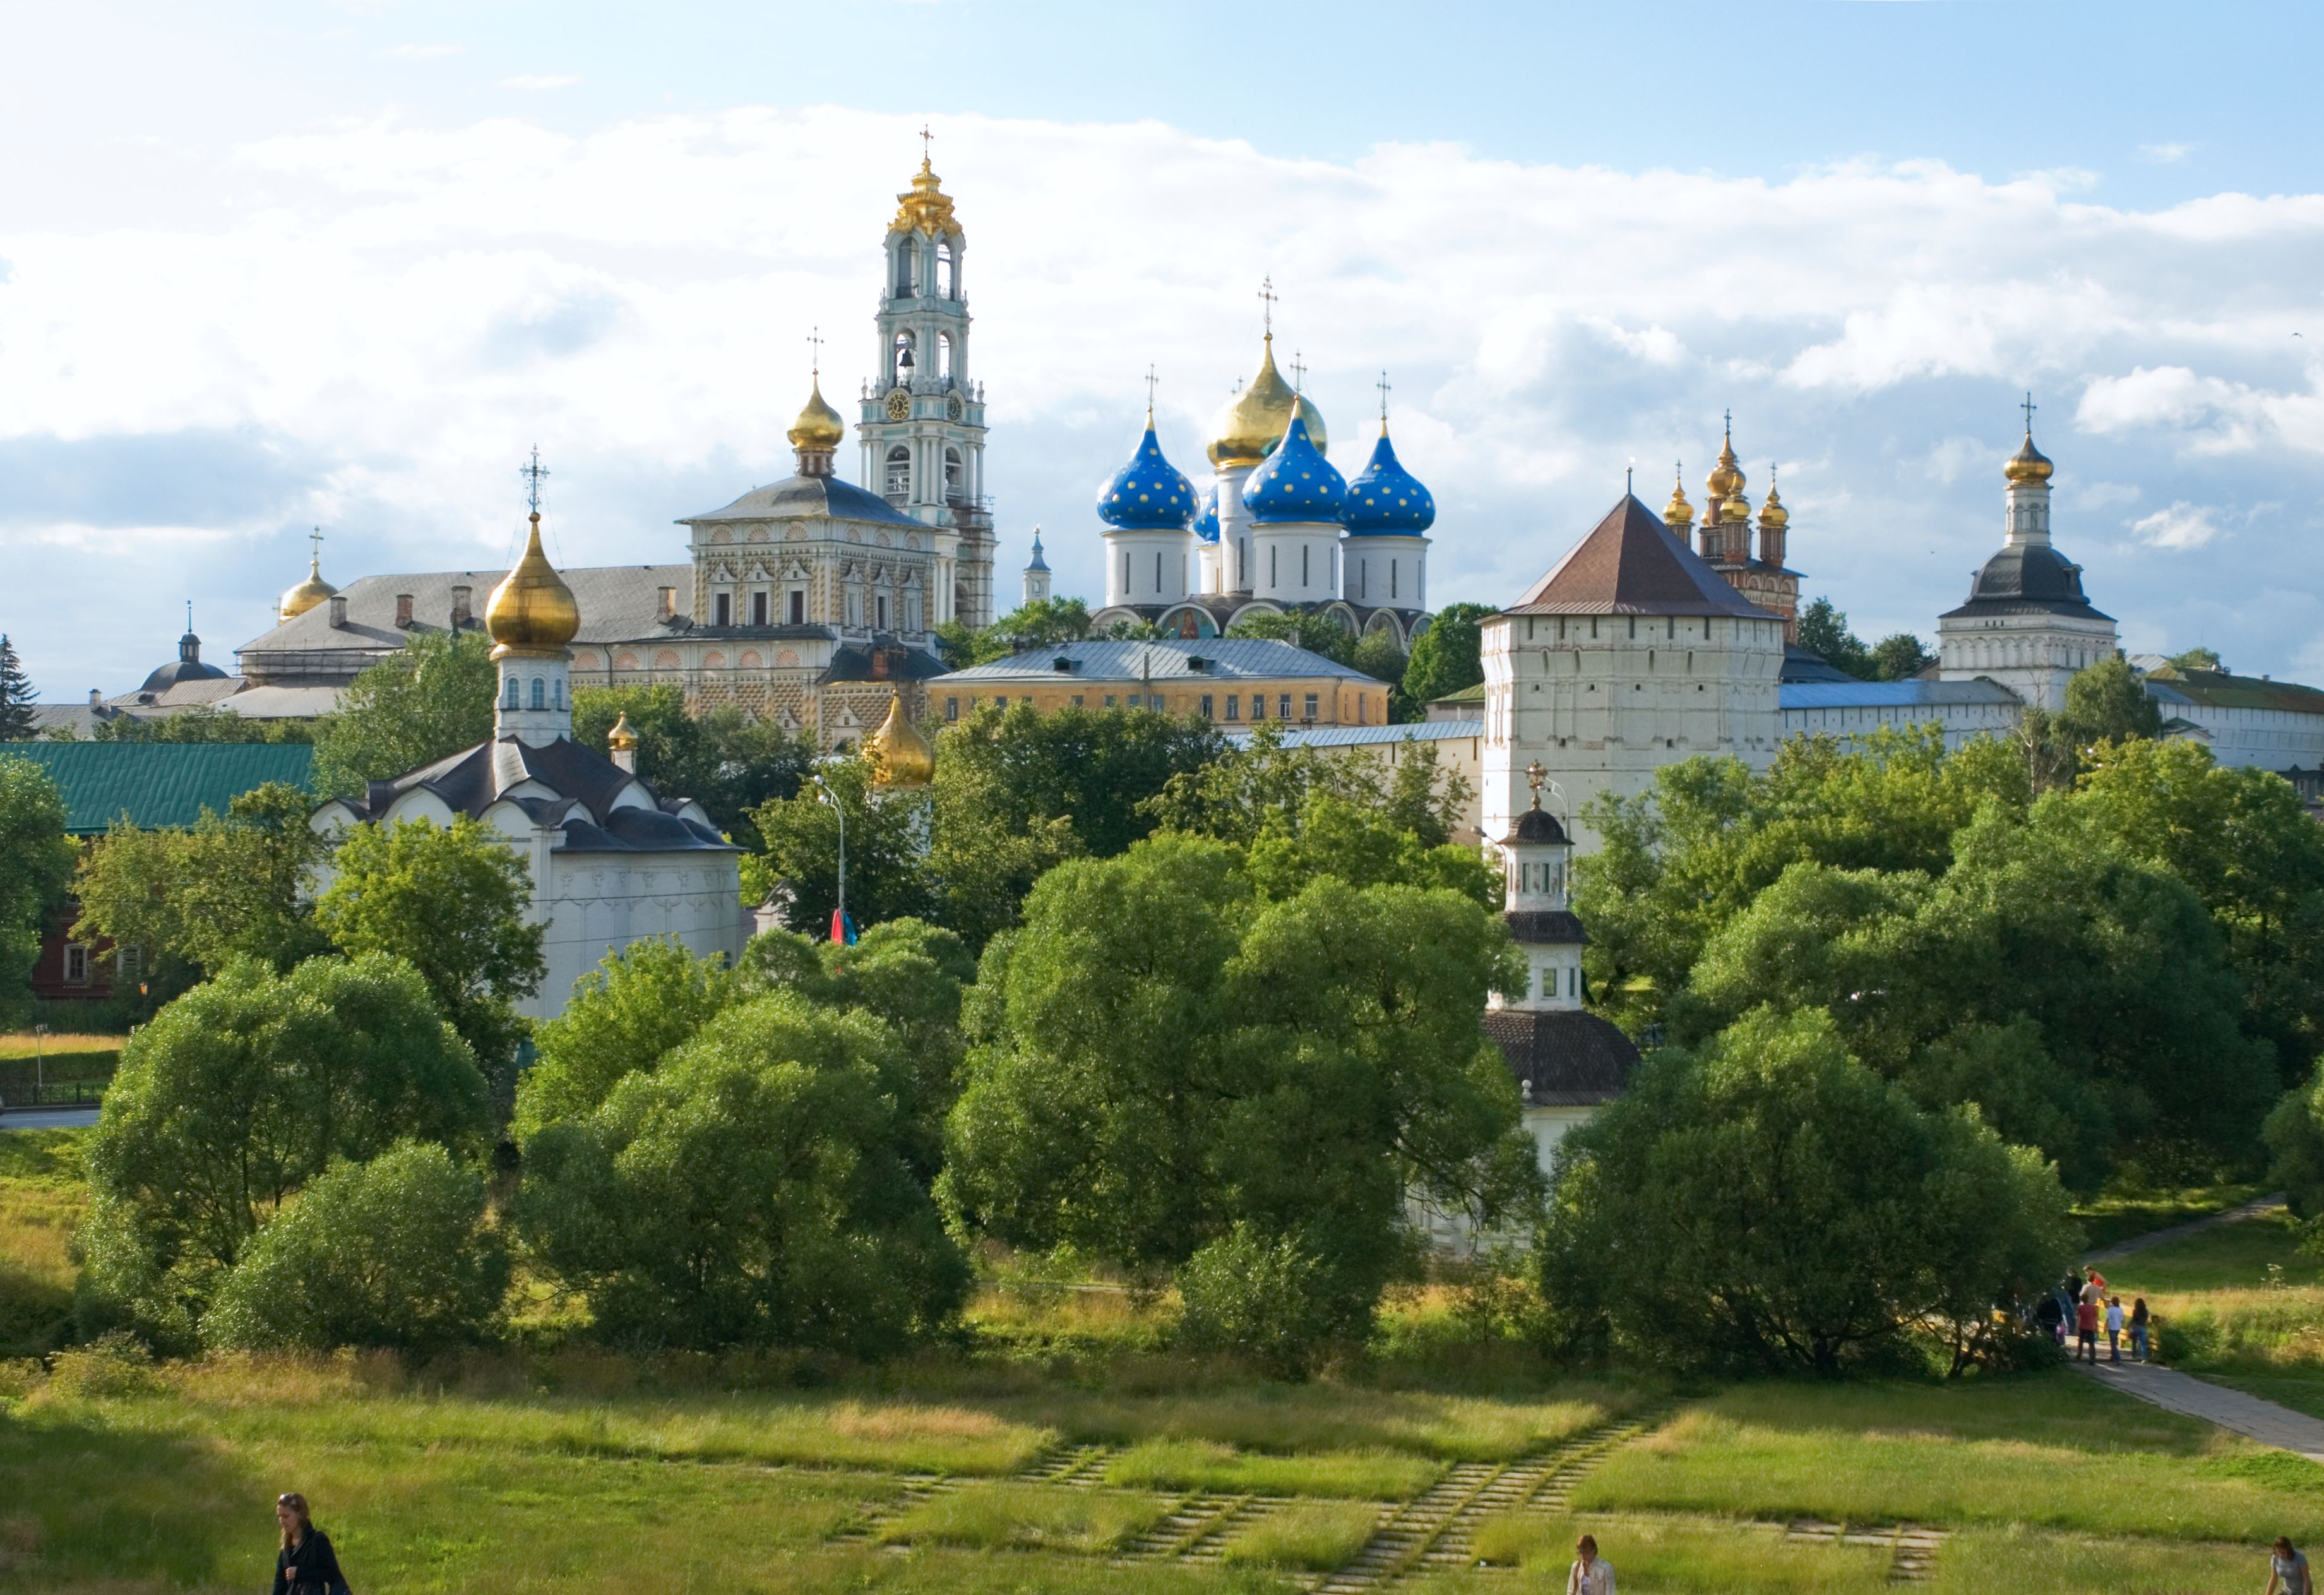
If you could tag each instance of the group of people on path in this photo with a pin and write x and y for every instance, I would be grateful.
(2081, 1300)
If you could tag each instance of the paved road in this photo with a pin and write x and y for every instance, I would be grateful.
(48, 1118)
(2248, 1416)
(2123, 1248)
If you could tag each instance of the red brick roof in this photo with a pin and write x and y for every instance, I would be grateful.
(1631, 564)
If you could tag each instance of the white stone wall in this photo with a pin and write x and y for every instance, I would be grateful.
(1962, 723)
(1295, 561)
(600, 902)
(2269, 739)
(2033, 655)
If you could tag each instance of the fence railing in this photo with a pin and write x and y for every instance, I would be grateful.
(71, 1094)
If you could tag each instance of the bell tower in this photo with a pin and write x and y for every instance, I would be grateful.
(923, 421)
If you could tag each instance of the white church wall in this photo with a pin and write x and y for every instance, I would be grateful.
(599, 902)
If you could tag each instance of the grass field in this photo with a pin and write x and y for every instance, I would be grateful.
(41, 1200)
(2116, 1215)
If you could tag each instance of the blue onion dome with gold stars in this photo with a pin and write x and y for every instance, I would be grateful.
(1148, 494)
(1386, 500)
(1206, 524)
(1296, 483)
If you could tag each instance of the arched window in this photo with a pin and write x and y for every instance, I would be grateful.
(560, 691)
(955, 477)
(902, 360)
(508, 697)
(947, 271)
(904, 269)
(900, 475)
(944, 356)
(539, 692)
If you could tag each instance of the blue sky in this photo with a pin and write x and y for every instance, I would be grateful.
(267, 266)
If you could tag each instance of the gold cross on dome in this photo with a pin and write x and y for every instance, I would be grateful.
(2028, 407)
(1267, 295)
(1298, 371)
(316, 537)
(814, 347)
(1151, 380)
(1535, 776)
(533, 472)
(927, 138)
(1382, 386)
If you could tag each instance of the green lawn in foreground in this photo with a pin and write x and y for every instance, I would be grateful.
(1005, 1514)
(2051, 1451)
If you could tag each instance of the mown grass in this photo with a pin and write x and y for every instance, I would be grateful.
(1313, 1537)
(23, 1044)
(1329, 1416)
(1206, 1464)
(2113, 1216)
(2050, 1451)
(1004, 1515)
(1663, 1552)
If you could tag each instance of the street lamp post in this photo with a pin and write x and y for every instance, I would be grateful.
(823, 791)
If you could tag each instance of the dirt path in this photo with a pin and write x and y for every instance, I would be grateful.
(2123, 1248)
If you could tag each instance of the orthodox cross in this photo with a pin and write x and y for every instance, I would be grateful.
(1151, 380)
(1298, 371)
(814, 347)
(1382, 386)
(532, 471)
(316, 537)
(1267, 294)
(189, 614)
(1728, 418)
(1535, 776)
(927, 138)
(2028, 407)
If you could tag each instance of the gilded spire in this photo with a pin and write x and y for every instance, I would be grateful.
(1254, 420)
(925, 208)
(1678, 511)
(1773, 516)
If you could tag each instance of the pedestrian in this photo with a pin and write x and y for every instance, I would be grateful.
(2086, 1329)
(2114, 1329)
(307, 1565)
(2139, 1318)
(1592, 1574)
(2050, 1316)
(2287, 1570)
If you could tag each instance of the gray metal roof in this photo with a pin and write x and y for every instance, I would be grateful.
(1890, 695)
(800, 497)
(1352, 736)
(1229, 658)
(619, 603)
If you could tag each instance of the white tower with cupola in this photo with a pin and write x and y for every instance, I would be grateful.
(1537, 859)
(531, 617)
(1037, 573)
(923, 421)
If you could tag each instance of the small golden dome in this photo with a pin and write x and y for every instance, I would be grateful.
(900, 757)
(1725, 479)
(1773, 516)
(623, 737)
(1251, 423)
(2029, 464)
(1678, 511)
(1735, 510)
(925, 208)
(308, 593)
(532, 610)
(819, 425)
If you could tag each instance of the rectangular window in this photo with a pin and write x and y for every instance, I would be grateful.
(76, 963)
(1077, 700)
(725, 609)
(1207, 707)
(1109, 700)
(952, 708)
(1282, 705)
(1234, 706)
(1270, 565)
(798, 606)
(1311, 705)
(855, 609)
(1392, 573)
(758, 609)
(1135, 701)
(131, 962)
(1304, 551)
(1549, 983)
(882, 602)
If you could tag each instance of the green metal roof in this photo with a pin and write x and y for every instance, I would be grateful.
(158, 783)
(2217, 689)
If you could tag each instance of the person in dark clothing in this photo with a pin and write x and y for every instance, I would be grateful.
(307, 1564)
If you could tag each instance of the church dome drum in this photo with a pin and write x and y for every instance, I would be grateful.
(1148, 494)
(1296, 483)
(1387, 499)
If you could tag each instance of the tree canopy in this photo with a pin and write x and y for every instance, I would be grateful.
(17, 696)
(424, 703)
(1447, 656)
(720, 757)
(36, 860)
(1897, 657)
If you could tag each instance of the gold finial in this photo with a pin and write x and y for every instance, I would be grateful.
(1151, 380)
(925, 208)
(900, 756)
(1773, 516)
(927, 154)
(1535, 776)
(1382, 386)
(1266, 298)
(623, 737)
(1678, 511)
(819, 429)
(2029, 464)
(297, 601)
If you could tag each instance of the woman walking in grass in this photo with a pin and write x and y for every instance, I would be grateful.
(307, 1565)
(2287, 1572)
(1594, 1575)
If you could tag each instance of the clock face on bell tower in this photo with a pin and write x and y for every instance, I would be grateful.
(899, 404)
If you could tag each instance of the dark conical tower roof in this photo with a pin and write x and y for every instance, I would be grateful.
(1631, 564)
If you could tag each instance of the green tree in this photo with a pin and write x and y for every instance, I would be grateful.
(1235, 795)
(233, 1098)
(1363, 845)
(1824, 632)
(424, 703)
(1447, 656)
(1381, 657)
(450, 901)
(1041, 623)
(626, 1014)
(721, 758)
(203, 722)
(1093, 768)
(888, 877)
(1899, 657)
(231, 886)
(2107, 702)
(1770, 1200)
(1311, 630)
(36, 860)
(393, 1252)
(18, 713)
(746, 1194)
(2197, 659)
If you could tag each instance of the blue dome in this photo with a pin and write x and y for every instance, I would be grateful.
(1296, 483)
(1206, 524)
(1387, 499)
(1148, 494)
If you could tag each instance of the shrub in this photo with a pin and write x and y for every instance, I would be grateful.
(117, 1363)
(391, 1252)
(1269, 1298)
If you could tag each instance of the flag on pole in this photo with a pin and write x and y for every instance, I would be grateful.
(842, 927)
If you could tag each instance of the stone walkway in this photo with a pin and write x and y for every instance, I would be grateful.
(2234, 1215)
(2248, 1416)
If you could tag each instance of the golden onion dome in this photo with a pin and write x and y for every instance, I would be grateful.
(1726, 478)
(623, 737)
(2029, 464)
(1773, 516)
(1735, 510)
(819, 425)
(532, 610)
(900, 757)
(308, 593)
(1678, 511)
(1251, 423)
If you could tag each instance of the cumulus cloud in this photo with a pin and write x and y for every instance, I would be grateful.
(2180, 525)
(398, 311)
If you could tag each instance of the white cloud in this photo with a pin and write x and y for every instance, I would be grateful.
(2209, 414)
(2165, 154)
(540, 82)
(420, 52)
(2181, 526)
